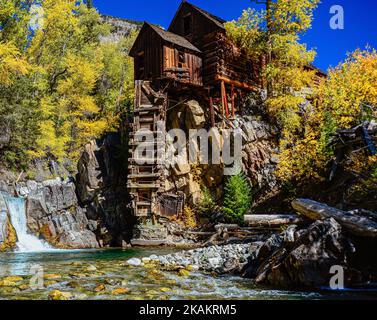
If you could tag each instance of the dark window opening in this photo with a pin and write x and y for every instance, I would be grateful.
(187, 25)
(181, 59)
(250, 69)
(141, 66)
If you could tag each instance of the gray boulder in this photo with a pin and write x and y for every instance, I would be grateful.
(303, 258)
(53, 212)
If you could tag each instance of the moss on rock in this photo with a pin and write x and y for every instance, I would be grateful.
(11, 240)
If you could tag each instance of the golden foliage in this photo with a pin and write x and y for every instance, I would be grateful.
(344, 100)
(11, 63)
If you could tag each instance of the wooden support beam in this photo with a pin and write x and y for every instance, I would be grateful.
(232, 100)
(237, 84)
(224, 99)
(211, 112)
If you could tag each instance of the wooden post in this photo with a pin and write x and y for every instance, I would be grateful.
(232, 99)
(211, 112)
(224, 99)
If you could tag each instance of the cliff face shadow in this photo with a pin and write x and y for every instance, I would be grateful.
(102, 189)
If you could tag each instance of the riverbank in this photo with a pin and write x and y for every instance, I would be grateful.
(104, 275)
(227, 259)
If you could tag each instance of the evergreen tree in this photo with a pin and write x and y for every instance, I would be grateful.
(89, 3)
(237, 198)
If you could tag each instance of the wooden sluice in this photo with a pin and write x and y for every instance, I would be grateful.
(146, 173)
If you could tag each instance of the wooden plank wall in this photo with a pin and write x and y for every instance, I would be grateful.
(193, 64)
(151, 45)
(222, 58)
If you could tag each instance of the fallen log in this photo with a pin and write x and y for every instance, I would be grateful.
(272, 220)
(227, 226)
(359, 226)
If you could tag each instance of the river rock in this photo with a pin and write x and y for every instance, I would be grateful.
(303, 257)
(219, 259)
(59, 295)
(134, 262)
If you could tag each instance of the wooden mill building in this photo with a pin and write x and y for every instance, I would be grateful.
(196, 52)
(193, 58)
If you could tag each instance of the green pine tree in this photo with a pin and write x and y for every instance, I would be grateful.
(237, 200)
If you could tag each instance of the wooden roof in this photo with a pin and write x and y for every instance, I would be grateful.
(216, 20)
(168, 37)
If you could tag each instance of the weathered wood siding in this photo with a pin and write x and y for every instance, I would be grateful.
(221, 58)
(200, 24)
(151, 44)
(188, 72)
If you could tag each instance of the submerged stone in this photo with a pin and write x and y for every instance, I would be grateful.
(50, 283)
(59, 295)
(99, 288)
(183, 273)
(73, 284)
(14, 279)
(52, 276)
(119, 291)
(7, 283)
(91, 268)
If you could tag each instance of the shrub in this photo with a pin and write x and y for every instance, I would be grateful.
(207, 204)
(237, 199)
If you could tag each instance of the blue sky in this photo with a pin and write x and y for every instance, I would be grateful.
(360, 26)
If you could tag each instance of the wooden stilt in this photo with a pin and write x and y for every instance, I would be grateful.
(224, 99)
(212, 112)
(232, 99)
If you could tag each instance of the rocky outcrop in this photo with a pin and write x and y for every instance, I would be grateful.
(53, 212)
(304, 257)
(7, 234)
(89, 173)
(259, 154)
(101, 187)
(121, 28)
(195, 118)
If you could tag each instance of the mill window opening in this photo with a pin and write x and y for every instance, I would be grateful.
(141, 65)
(187, 25)
(181, 59)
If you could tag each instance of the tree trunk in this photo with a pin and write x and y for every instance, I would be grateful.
(272, 220)
(359, 226)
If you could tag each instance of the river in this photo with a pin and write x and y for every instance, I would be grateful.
(99, 274)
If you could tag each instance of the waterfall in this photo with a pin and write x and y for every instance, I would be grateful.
(26, 242)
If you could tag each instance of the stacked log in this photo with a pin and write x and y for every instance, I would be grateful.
(354, 224)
